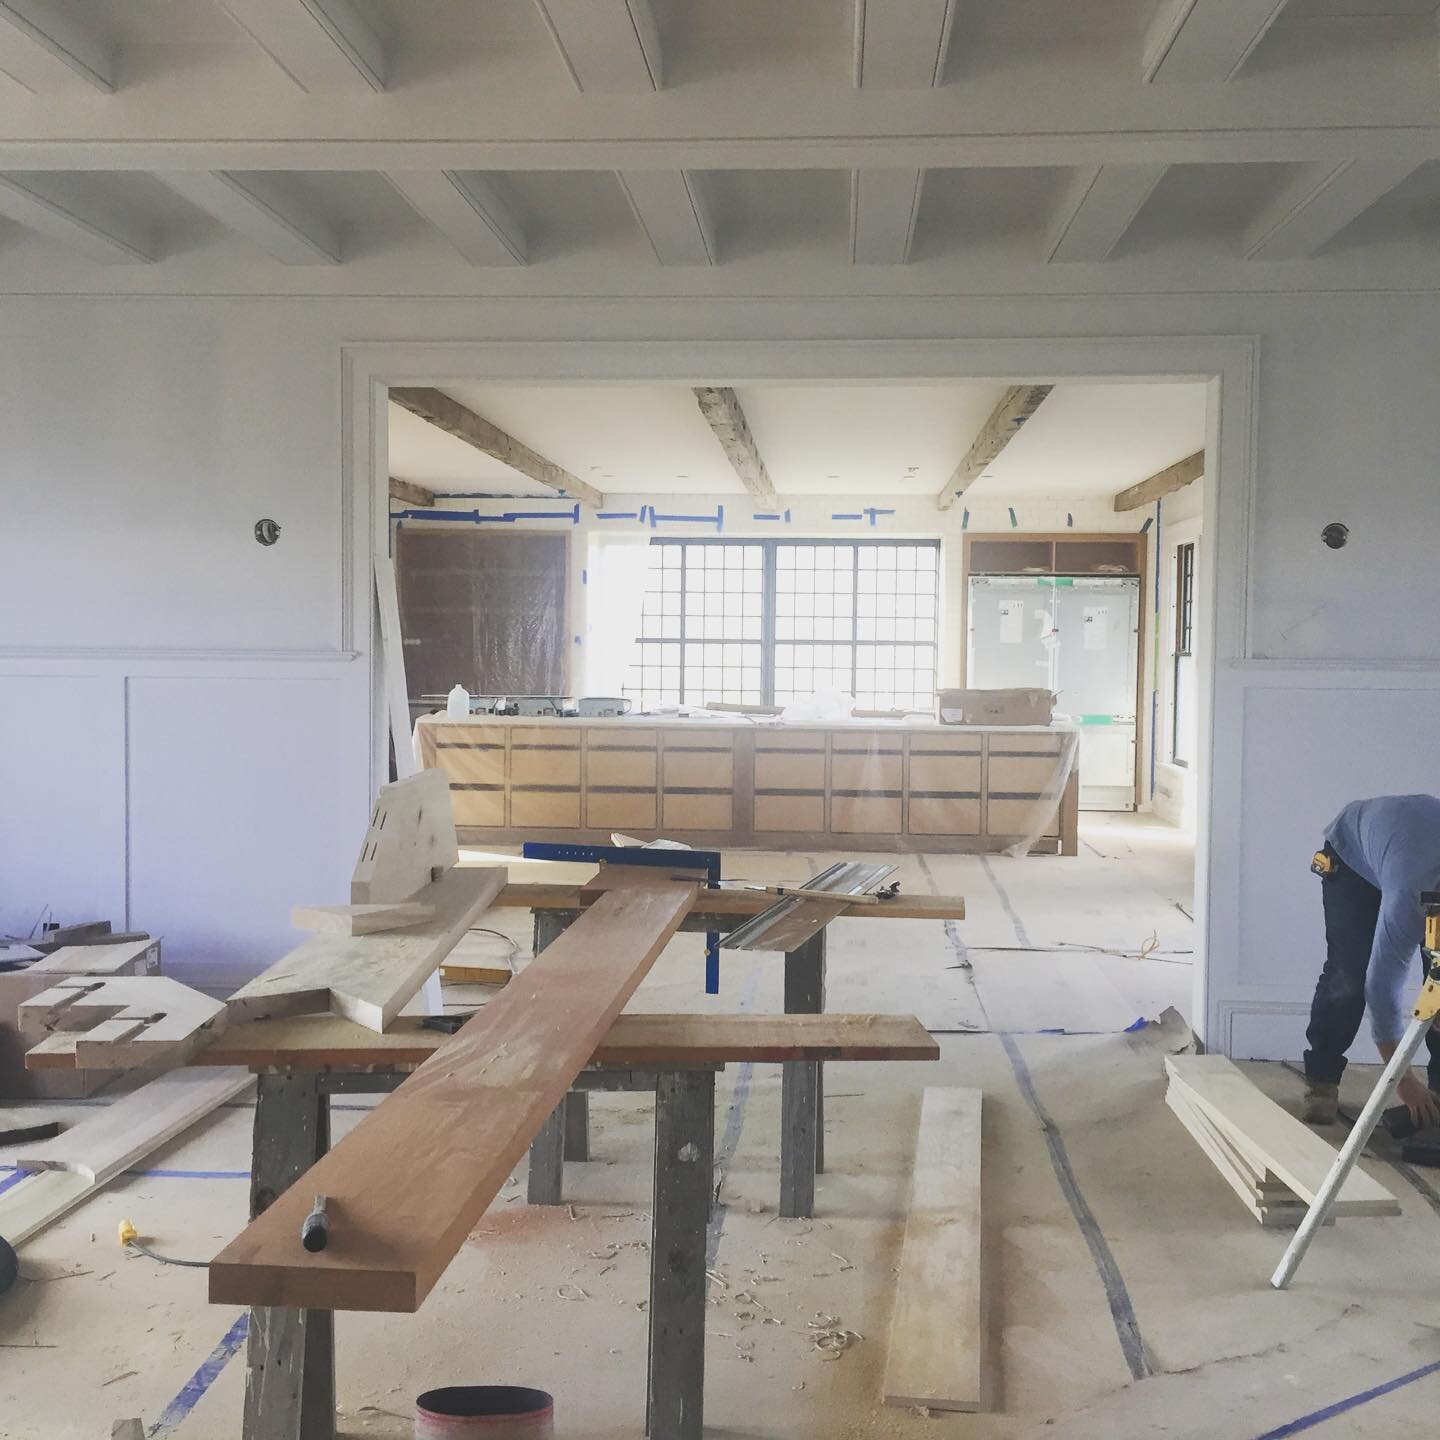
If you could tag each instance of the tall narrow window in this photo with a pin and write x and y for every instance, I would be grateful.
(1182, 736)
(770, 621)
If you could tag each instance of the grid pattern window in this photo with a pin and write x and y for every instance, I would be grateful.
(769, 622)
(702, 627)
(1182, 738)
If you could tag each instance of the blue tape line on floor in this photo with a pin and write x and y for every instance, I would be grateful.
(1318, 1417)
(193, 1390)
(151, 1174)
(10, 1181)
(1122, 1312)
(1005, 904)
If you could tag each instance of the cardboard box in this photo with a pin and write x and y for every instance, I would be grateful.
(996, 707)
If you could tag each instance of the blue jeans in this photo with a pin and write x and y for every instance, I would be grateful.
(1352, 909)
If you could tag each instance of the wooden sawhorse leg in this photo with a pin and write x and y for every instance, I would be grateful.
(566, 1135)
(802, 1086)
(290, 1354)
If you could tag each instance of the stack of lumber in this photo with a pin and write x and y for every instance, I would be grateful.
(1272, 1161)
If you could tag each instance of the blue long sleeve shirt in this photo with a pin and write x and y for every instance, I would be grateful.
(1393, 841)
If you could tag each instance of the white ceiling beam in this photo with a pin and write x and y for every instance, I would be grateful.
(1317, 205)
(670, 208)
(469, 211)
(284, 229)
(883, 207)
(319, 44)
(1001, 426)
(902, 44)
(40, 44)
(464, 424)
(1162, 483)
(100, 237)
(1098, 209)
(607, 45)
(1204, 40)
(721, 408)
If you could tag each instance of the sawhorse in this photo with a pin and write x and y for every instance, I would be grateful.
(290, 1355)
(566, 1135)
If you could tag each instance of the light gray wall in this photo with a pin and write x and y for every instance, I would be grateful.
(189, 734)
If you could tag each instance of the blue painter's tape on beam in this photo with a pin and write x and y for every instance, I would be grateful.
(964, 519)
(1014, 523)
(1149, 521)
(1069, 521)
(573, 516)
(616, 515)
(856, 516)
(717, 519)
(765, 517)
(872, 512)
(472, 517)
(584, 577)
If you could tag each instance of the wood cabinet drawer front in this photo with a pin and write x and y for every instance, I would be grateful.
(709, 769)
(1010, 817)
(790, 812)
(478, 807)
(698, 812)
(864, 814)
(558, 737)
(945, 773)
(545, 767)
(473, 766)
(790, 740)
(794, 771)
(620, 767)
(960, 744)
(620, 811)
(1010, 775)
(541, 808)
(865, 772)
(619, 737)
(932, 816)
(1036, 744)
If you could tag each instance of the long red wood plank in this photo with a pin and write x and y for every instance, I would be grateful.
(409, 1183)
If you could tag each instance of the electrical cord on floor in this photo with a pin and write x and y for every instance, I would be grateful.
(499, 935)
(130, 1239)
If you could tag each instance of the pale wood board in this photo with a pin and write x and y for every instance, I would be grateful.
(392, 661)
(130, 957)
(937, 1332)
(109, 1141)
(359, 919)
(368, 978)
(1291, 1150)
(408, 1184)
(308, 1043)
(127, 1021)
(105, 1144)
(411, 839)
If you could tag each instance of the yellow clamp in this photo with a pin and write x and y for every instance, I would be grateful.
(128, 1232)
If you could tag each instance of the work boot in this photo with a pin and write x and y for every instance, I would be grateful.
(1322, 1103)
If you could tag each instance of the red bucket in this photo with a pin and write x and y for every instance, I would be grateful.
(484, 1412)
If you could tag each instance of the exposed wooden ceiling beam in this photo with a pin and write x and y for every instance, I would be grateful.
(902, 44)
(1098, 209)
(670, 207)
(469, 211)
(607, 45)
(1200, 40)
(1164, 482)
(464, 424)
(883, 207)
(1318, 204)
(283, 227)
(105, 238)
(410, 493)
(319, 44)
(721, 407)
(40, 44)
(1016, 406)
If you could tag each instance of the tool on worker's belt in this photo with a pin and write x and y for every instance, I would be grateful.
(315, 1232)
(1427, 1009)
(1323, 862)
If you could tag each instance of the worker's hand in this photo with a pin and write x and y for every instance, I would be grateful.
(1422, 1103)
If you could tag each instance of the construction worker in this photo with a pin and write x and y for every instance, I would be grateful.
(1379, 855)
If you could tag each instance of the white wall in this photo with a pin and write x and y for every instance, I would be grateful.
(171, 692)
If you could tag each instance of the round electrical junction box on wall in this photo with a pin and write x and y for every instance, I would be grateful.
(1335, 535)
(267, 531)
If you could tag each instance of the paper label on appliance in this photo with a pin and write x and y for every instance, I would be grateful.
(1097, 627)
(1012, 622)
